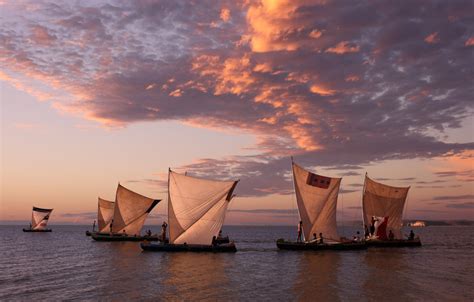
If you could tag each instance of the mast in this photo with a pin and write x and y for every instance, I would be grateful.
(294, 193)
(362, 203)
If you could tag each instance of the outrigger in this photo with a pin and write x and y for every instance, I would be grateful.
(39, 220)
(316, 197)
(196, 212)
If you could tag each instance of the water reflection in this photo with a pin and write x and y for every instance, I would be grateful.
(387, 274)
(191, 276)
(317, 277)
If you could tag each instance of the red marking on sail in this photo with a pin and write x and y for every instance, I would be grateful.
(319, 181)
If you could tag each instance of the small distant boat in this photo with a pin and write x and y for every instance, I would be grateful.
(383, 210)
(196, 212)
(316, 196)
(105, 214)
(39, 220)
(417, 224)
(130, 212)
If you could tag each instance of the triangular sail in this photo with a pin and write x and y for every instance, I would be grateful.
(105, 213)
(39, 218)
(130, 212)
(196, 208)
(381, 200)
(316, 196)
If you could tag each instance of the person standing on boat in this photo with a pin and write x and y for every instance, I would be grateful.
(366, 231)
(93, 227)
(391, 236)
(300, 231)
(163, 231)
(321, 240)
(111, 224)
(372, 226)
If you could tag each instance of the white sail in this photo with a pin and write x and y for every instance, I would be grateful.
(105, 213)
(196, 208)
(39, 218)
(381, 200)
(130, 212)
(316, 196)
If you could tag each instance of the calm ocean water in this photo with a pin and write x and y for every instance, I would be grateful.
(67, 265)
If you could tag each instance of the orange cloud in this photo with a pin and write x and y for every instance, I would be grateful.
(343, 47)
(315, 34)
(317, 89)
(352, 78)
(469, 42)
(225, 14)
(432, 38)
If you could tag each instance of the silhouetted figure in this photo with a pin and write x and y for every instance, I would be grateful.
(214, 241)
(366, 231)
(321, 240)
(148, 233)
(111, 224)
(411, 236)
(93, 227)
(163, 231)
(220, 233)
(314, 239)
(372, 226)
(300, 231)
(391, 236)
(357, 237)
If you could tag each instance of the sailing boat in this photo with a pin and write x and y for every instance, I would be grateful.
(316, 196)
(105, 213)
(39, 220)
(129, 214)
(196, 212)
(383, 210)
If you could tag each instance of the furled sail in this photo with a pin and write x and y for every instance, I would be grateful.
(383, 201)
(130, 212)
(105, 214)
(316, 196)
(39, 218)
(196, 208)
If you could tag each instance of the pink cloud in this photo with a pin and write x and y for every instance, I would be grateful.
(343, 47)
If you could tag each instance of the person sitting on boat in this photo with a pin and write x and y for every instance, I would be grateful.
(411, 236)
(163, 231)
(356, 237)
(300, 231)
(148, 233)
(391, 236)
(315, 239)
(124, 233)
(321, 240)
(220, 234)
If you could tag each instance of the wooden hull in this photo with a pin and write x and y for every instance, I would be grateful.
(37, 231)
(301, 246)
(219, 248)
(116, 237)
(394, 243)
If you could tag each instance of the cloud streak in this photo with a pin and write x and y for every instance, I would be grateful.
(268, 69)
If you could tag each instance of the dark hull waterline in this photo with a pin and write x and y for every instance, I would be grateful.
(301, 246)
(117, 237)
(394, 243)
(37, 231)
(218, 248)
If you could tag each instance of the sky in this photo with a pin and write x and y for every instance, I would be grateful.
(94, 93)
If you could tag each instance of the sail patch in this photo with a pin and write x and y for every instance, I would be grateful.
(319, 181)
